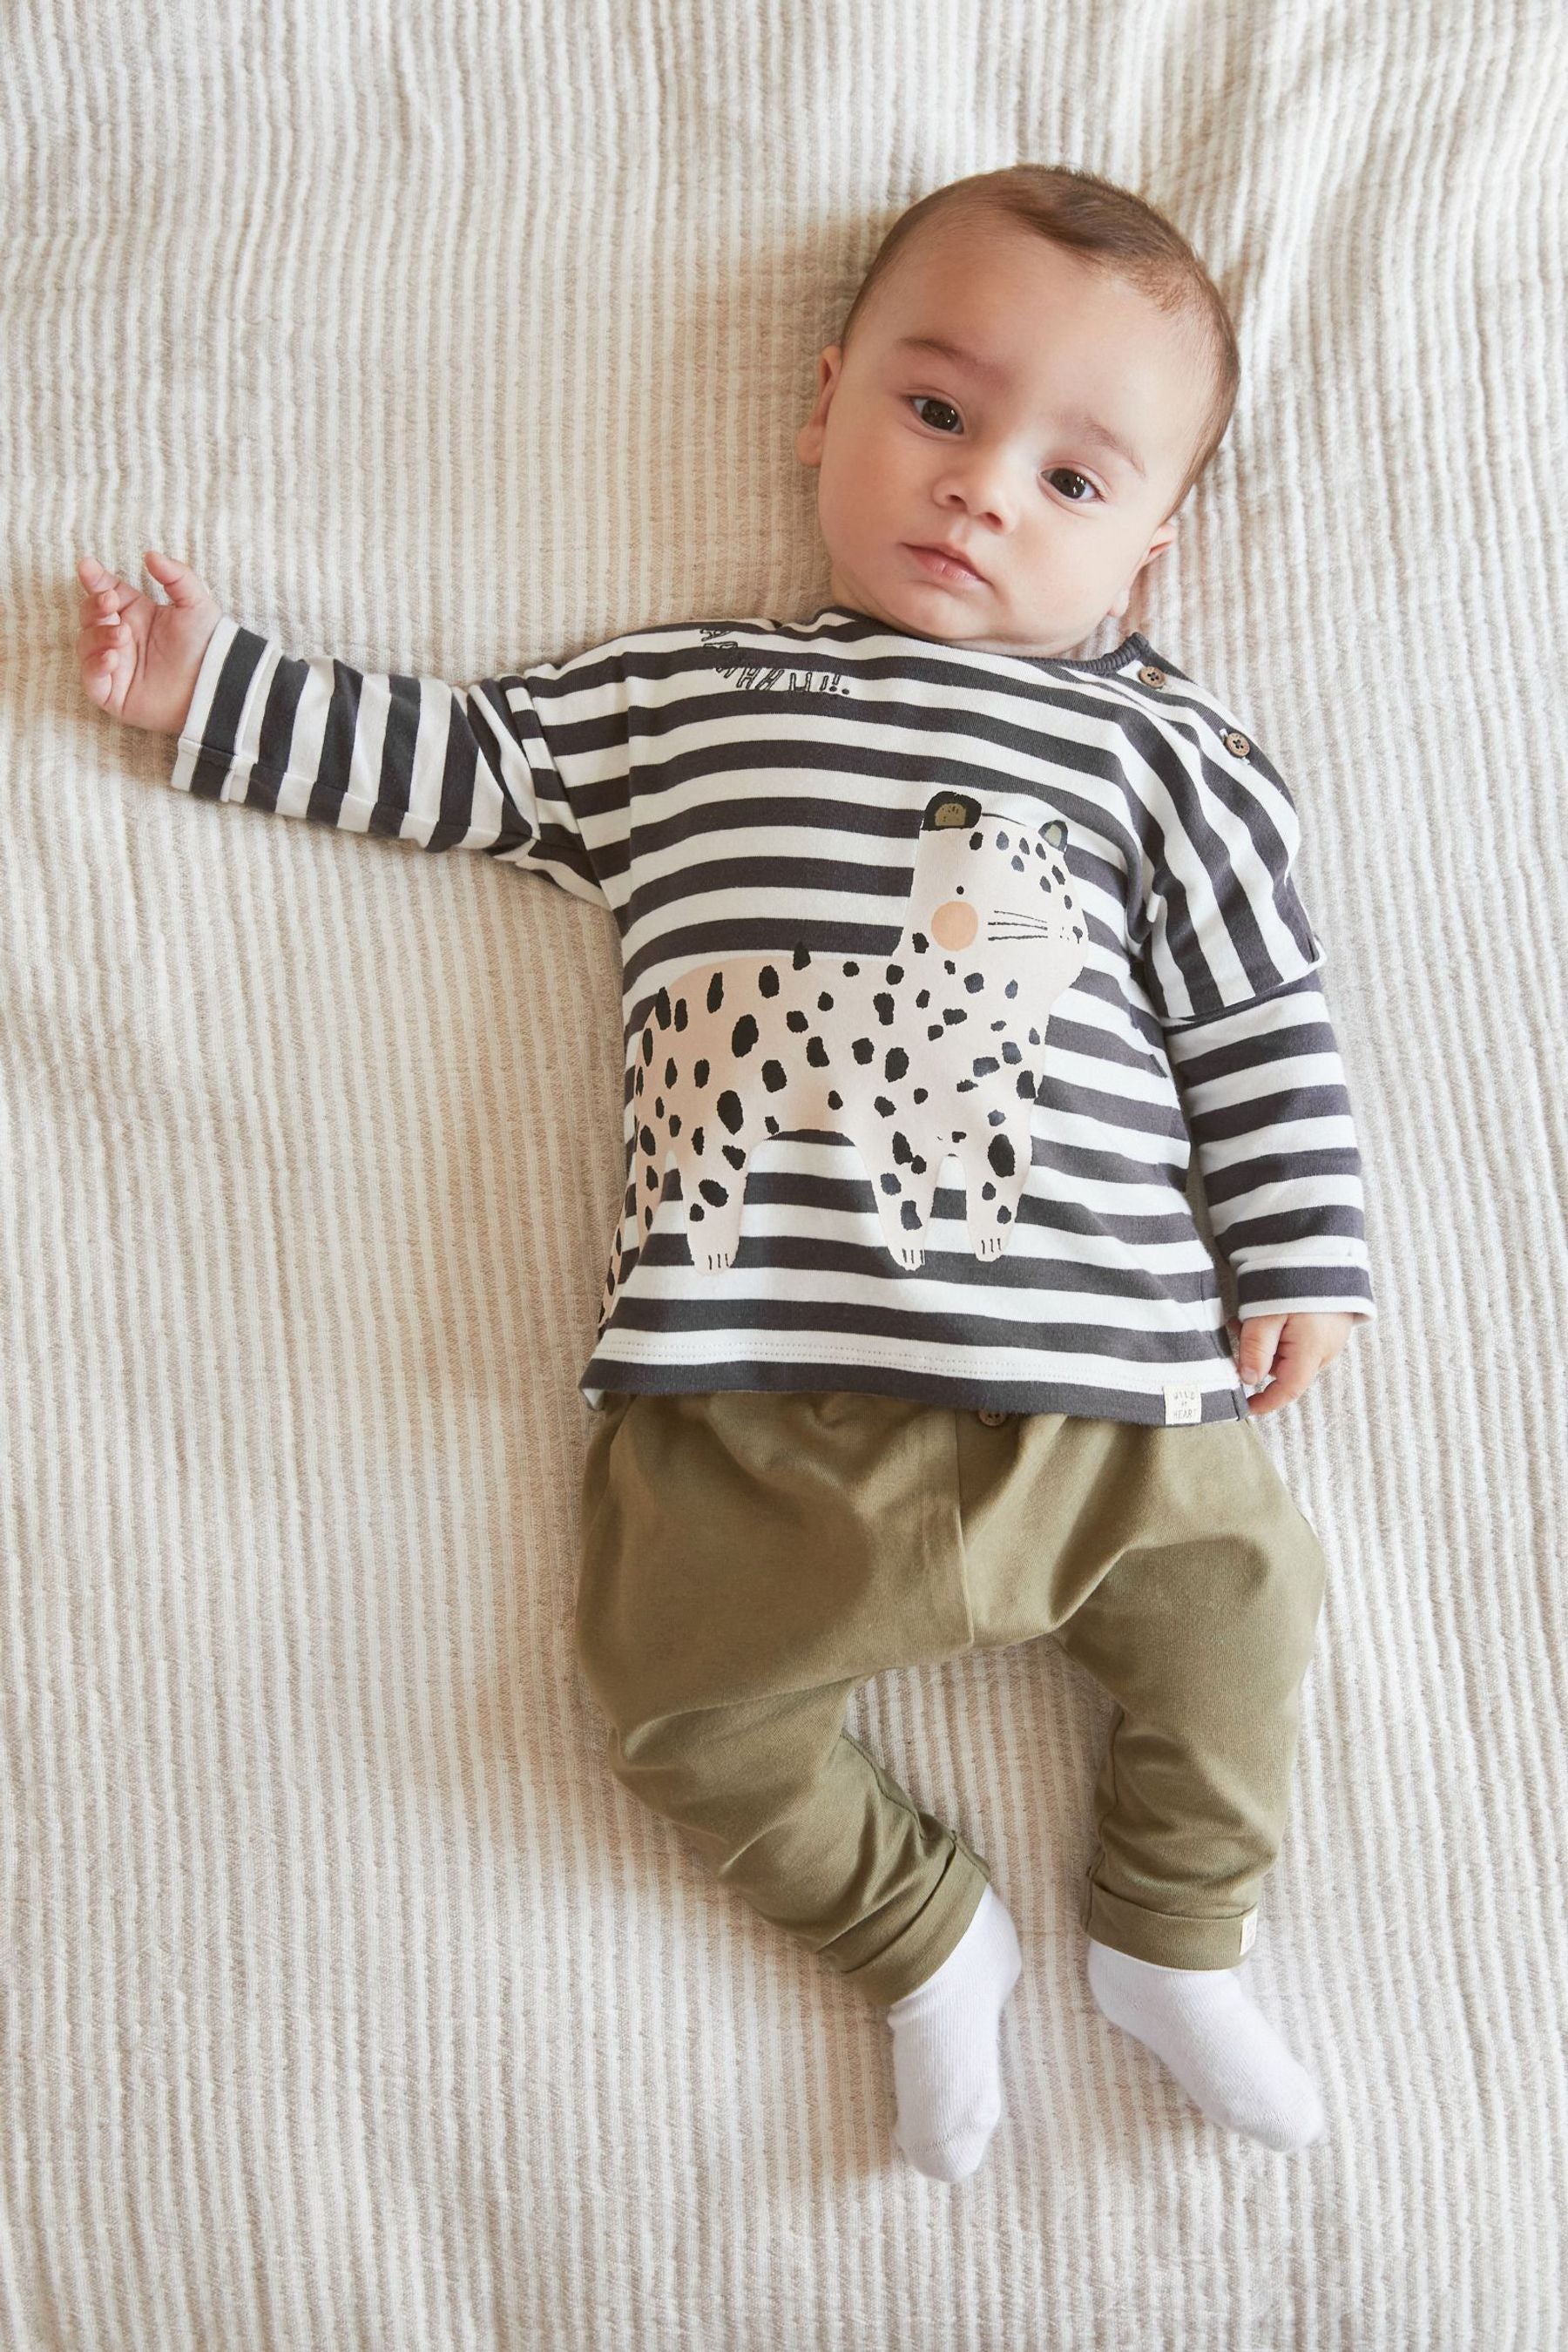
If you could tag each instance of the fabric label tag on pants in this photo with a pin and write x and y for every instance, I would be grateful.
(1182, 1401)
(1249, 1930)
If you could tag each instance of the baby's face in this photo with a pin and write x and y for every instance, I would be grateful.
(915, 448)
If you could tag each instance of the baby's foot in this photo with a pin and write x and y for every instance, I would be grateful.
(946, 2071)
(1216, 2042)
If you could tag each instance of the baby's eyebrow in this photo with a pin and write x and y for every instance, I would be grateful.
(1076, 420)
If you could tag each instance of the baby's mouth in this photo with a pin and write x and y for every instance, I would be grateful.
(945, 563)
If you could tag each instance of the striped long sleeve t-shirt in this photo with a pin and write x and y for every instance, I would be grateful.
(938, 965)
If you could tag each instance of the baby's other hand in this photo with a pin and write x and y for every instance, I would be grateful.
(140, 659)
(1294, 1348)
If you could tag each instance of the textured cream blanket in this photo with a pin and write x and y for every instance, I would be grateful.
(345, 2000)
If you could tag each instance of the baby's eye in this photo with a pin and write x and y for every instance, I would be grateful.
(919, 400)
(1059, 473)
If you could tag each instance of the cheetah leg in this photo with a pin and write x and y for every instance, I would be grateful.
(714, 1214)
(904, 1214)
(987, 1229)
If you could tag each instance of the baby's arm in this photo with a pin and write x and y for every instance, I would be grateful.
(406, 758)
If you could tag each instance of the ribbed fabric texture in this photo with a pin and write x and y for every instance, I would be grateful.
(344, 1998)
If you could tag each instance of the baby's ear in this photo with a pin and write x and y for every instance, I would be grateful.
(1117, 611)
(808, 441)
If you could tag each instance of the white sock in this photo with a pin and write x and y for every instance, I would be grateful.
(946, 2072)
(1216, 2042)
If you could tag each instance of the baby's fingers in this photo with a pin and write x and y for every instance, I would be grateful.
(101, 628)
(184, 588)
(97, 580)
(104, 593)
(97, 644)
(98, 675)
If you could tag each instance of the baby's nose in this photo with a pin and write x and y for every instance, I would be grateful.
(953, 925)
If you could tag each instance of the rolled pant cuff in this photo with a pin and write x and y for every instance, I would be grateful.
(1170, 1939)
(918, 1950)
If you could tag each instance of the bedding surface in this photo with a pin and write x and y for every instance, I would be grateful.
(345, 1999)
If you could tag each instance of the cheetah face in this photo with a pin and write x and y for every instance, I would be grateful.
(983, 883)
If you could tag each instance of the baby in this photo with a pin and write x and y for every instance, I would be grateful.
(941, 949)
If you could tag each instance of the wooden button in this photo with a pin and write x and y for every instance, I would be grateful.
(1148, 676)
(992, 1419)
(1235, 742)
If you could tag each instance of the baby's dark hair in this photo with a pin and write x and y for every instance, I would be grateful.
(1110, 227)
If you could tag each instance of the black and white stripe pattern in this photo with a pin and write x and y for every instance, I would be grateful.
(731, 789)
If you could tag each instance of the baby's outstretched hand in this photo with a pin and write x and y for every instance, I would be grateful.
(140, 659)
(1294, 1348)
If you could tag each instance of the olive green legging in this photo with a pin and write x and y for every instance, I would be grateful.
(750, 1558)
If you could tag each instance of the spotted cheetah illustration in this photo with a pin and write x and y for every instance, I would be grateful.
(937, 1048)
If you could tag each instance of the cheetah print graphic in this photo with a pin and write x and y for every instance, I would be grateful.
(935, 1048)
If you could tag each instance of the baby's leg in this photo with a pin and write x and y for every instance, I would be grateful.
(703, 1653)
(1205, 1644)
(801, 1821)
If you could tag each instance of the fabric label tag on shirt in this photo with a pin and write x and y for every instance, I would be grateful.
(1182, 1401)
(1249, 1930)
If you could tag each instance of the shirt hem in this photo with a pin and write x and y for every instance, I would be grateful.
(1077, 1400)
